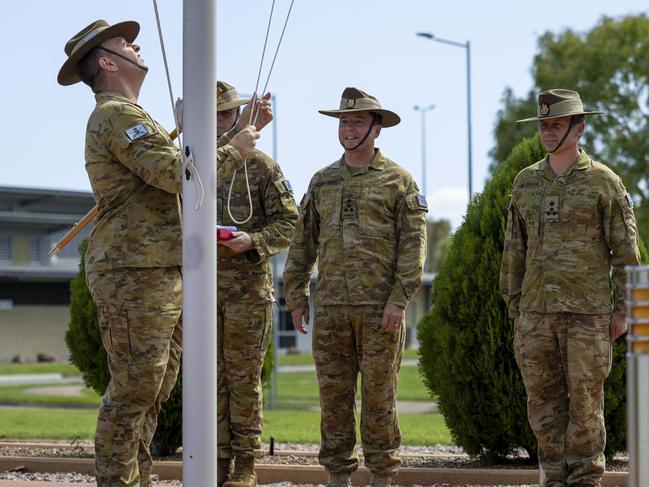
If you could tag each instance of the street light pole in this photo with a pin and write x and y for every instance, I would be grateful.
(424, 178)
(466, 46)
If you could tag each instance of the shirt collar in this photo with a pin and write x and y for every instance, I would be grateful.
(582, 163)
(377, 163)
(110, 95)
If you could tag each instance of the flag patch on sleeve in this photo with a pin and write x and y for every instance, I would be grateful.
(136, 132)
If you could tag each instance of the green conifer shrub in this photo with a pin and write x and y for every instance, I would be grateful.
(466, 353)
(88, 354)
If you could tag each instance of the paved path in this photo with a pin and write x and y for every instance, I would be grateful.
(310, 367)
(24, 379)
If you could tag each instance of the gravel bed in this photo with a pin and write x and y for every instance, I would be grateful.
(434, 456)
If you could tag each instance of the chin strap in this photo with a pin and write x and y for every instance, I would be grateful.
(364, 138)
(572, 124)
(143, 68)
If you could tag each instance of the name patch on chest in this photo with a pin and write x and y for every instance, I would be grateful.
(551, 209)
(136, 132)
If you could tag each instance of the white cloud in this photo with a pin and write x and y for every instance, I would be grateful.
(448, 203)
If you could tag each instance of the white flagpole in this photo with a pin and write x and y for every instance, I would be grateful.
(199, 246)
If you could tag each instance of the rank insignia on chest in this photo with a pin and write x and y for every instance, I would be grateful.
(136, 132)
(551, 209)
(349, 208)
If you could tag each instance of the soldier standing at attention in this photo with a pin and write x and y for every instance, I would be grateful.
(570, 232)
(364, 221)
(135, 250)
(245, 289)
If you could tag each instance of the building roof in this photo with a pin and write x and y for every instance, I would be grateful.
(43, 208)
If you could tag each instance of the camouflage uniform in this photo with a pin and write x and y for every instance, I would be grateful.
(367, 233)
(245, 294)
(564, 236)
(133, 273)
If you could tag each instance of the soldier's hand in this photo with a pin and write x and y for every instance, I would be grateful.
(263, 110)
(245, 141)
(393, 317)
(618, 326)
(300, 317)
(240, 242)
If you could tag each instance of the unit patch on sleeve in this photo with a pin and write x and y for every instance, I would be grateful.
(136, 132)
(287, 185)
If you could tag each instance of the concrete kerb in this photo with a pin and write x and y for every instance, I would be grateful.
(306, 474)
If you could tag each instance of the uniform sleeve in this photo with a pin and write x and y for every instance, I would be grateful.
(621, 235)
(227, 137)
(302, 254)
(512, 266)
(137, 143)
(411, 246)
(281, 215)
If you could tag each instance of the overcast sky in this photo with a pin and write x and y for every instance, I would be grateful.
(328, 45)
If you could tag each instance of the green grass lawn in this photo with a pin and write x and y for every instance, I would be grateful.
(307, 358)
(284, 426)
(296, 390)
(17, 369)
(47, 424)
(26, 394)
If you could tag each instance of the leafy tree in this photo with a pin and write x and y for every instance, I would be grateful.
(88, 354)
(609, 67)
(466, 341)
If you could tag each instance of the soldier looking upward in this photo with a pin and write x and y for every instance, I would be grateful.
(570, 226)
(364, 221)
(135, 249)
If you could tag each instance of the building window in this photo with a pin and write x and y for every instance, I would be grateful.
(5, 248)
(35, 250)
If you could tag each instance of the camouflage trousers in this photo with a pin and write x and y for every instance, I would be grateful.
(564, 359)
(243, 335)
(348, 340)
(141, 330)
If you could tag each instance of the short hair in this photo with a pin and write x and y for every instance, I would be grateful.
(377, 119)
(88, 68)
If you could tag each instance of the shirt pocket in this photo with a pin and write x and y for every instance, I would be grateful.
(376, 213)
(328, 205)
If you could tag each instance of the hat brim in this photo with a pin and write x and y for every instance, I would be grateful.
(68, 74)
(389, 118)
(535, 119)
(231, 104)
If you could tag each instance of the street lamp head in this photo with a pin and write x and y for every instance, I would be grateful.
(427, 35)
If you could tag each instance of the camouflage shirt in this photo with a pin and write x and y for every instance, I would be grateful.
(567, 238)
(367, 232)
(247, 276)
(135, 173)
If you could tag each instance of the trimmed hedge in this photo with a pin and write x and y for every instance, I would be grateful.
(88, 354)
(466, 353)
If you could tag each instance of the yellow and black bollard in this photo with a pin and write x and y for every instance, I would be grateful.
(638, 375)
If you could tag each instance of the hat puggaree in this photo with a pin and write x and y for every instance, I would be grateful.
(227, 97)
(89, 38)
(355, 100)
(558, 103)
